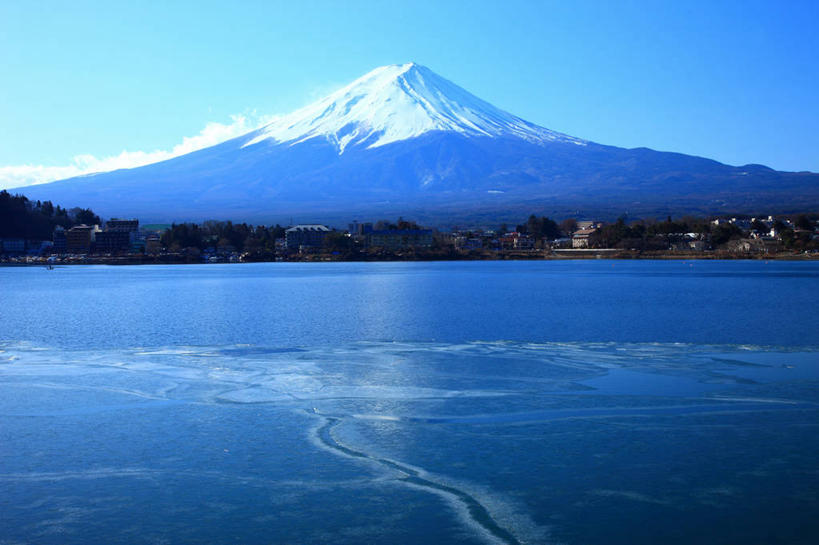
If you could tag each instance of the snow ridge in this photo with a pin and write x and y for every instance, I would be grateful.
(398, 102)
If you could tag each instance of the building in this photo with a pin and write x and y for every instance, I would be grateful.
(153, 245)
(80, 239)
(562, 242)
(398, 239)
(580, 238)
(507, 240)
(138, 242)
(60, 245)
(129, 226)
(588, 225)
(360, 229)
(12, 246)
(467, 243)
(524, 242)
(108, 242)
(119, 236)
(305, 236)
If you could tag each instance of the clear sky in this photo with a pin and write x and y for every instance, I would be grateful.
(81, 82)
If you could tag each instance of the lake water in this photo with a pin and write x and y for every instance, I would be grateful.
(574, 402)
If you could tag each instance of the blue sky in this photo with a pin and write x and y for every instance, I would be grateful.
(82, 82)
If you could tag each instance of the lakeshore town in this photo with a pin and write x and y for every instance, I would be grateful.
(124, 241)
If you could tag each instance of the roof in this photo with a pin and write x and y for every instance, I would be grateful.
(307, 227)
(583, 232)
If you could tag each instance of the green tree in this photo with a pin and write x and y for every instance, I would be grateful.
(338, 241)
(759, 226)
(724, 232)
(85, 216)
(542, 227)
(803, 222)
(568, 226)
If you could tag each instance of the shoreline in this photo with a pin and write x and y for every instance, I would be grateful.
(175, 259)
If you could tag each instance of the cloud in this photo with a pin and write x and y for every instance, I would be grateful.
(213, 133)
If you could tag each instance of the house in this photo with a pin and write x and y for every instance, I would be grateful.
(153, 245)
(524, 242)
(562, 242)
(741, 246)
(507, 240)
(305, 236)
(468, 243)
(580, 238)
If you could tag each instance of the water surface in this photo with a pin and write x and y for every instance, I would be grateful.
(498, 402)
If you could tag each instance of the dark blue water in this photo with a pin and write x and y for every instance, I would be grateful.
(294, 304)
(501, 402)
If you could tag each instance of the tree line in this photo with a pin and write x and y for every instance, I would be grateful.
(36, 220)
(222, 235)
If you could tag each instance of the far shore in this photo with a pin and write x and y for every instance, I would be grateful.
(323, 257)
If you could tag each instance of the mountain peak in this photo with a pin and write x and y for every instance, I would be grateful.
(398, 102)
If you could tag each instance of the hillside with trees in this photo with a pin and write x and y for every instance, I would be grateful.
(36, 220)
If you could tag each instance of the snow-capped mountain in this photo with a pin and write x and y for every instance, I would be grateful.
(399, 102)
(402, 140)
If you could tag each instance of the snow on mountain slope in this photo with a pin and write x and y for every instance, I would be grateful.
(399, 102)
(448, 153)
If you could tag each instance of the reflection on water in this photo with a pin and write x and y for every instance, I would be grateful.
(304, 304)
(377, 442)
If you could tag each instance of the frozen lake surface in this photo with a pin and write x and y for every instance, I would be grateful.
(499, 402)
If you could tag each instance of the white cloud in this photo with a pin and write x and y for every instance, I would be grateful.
(213, 133)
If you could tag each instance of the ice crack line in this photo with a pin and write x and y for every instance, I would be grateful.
(477, 512)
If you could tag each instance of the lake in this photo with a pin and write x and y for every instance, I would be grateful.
(574, 402)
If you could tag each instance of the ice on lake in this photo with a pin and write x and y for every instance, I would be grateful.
(385, 442)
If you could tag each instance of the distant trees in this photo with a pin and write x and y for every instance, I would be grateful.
(803, 222)
(758, 226)
(800, 238)
(610, 236)
(338, 241)
(183, 235)
(36, 220)
(568, 226)
(779, 225)
(222, 235)
(401, 224)
(84, 216)
(724, 232)
(539, 228)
